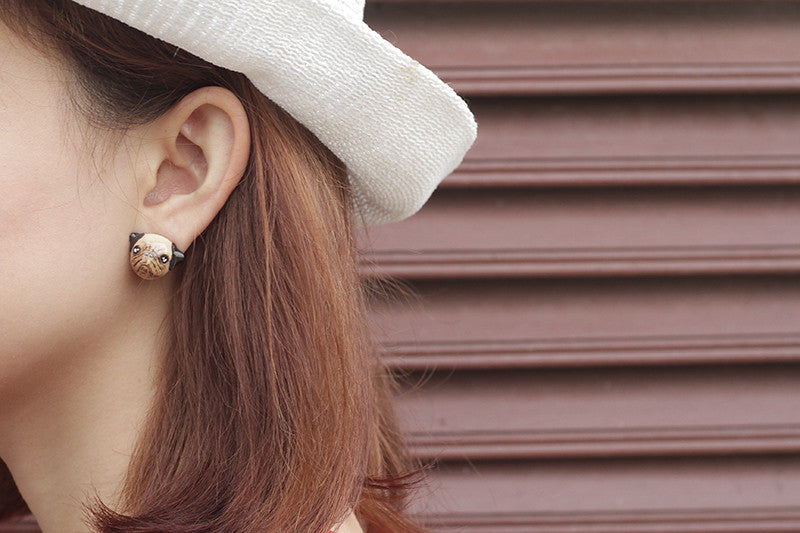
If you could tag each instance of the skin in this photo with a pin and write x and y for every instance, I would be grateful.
(76, 377)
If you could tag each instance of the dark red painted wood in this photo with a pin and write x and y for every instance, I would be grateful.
(593, 412)
(591, 322)
(669, 495)
(609, 232)
(512, 48)
(632, 140)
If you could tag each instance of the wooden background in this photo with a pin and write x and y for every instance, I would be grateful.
(606, 332)
(605, 335)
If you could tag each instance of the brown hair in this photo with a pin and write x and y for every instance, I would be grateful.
(273, 408)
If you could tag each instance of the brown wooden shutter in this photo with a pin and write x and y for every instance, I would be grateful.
(606, 327)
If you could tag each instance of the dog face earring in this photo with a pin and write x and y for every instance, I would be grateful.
(153, 255)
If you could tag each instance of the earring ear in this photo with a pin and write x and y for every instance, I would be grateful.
(177, 257)
(132, 238)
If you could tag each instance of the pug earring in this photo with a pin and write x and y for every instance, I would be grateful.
(153, 255)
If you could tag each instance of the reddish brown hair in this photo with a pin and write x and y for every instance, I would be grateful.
(273, 409)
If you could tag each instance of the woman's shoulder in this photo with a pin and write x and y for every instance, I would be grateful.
(350, 525)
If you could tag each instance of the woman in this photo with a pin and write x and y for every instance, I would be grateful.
(240, 391)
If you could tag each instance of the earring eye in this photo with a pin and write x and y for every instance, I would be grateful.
(136, 249)
(164, 259)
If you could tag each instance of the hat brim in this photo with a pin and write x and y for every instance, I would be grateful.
(398, 128)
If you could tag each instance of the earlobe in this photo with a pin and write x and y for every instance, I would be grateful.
(200, 149)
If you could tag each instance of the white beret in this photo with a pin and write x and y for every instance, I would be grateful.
(398, 128)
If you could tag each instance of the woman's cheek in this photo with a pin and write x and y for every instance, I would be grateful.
(54, 240)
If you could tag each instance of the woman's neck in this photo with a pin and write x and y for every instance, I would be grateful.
(69, 432)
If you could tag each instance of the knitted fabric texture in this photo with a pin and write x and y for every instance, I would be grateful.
(397, 127)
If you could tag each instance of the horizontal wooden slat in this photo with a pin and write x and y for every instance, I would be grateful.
(623, 79)
(609, 232)
(581, 351)
(580, 171)
(633, 140)
(712, 495)
(744, 520)
(628, 442)
(600, 262)
(568, 322)
(483, 48)
(604, 412)
(553, 1)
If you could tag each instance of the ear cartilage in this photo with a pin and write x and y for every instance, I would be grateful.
(152, 255)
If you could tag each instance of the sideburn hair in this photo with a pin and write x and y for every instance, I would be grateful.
(273, 409)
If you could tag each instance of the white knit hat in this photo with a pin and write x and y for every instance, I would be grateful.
(398, 128)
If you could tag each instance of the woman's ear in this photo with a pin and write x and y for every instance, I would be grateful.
(192, 158)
